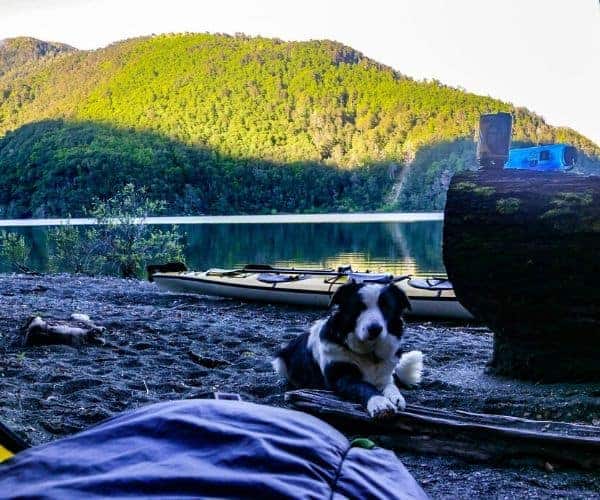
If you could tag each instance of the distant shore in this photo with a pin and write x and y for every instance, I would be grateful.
(247, 219)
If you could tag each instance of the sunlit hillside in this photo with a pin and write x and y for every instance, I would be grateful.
(221, 124)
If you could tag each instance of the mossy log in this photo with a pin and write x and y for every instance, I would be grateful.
(522, 250)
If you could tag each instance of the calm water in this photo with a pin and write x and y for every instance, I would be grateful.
(399, 247)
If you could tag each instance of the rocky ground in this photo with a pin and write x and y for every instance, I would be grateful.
(162, 346)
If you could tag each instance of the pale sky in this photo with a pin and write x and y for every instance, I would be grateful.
(542, 54)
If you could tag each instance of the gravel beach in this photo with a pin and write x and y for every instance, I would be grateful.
(164, 346)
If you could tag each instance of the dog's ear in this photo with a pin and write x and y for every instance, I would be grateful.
(344, 292)
(399, 296)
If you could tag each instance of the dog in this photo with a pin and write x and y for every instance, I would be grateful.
(355, 351)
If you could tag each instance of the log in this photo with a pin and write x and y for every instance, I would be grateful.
(79, 330)
(474, 436)
(522, 250)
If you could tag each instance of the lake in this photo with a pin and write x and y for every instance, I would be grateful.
(398, 243)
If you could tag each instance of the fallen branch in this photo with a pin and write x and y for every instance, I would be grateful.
(471, 435)
(78, 331)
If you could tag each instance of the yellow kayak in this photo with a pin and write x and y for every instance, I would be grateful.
(429, 297)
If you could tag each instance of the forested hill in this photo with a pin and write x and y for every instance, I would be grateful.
(15, 52)
(222, 124)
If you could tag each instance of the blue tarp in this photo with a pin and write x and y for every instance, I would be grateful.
(207, 448)
(559, 157)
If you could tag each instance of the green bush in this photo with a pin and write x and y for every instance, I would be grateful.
(74, 250)
(121, 242)
(14, 251)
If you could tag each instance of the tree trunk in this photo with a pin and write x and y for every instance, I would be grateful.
(522, 250)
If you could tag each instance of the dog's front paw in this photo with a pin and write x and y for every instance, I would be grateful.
(380, 407)
(393, 394)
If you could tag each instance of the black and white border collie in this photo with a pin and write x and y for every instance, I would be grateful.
(355, 351)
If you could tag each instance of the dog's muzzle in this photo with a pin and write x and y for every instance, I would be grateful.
(373, 331)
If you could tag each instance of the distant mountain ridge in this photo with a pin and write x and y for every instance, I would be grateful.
(223, 121)
(14, 52)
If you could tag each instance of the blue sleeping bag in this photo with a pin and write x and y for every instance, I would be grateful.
(207, 448)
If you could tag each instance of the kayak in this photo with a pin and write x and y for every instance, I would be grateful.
(431, 297)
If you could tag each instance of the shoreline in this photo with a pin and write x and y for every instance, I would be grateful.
(155, 341)
(325, 218)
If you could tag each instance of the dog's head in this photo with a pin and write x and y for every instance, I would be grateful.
(364, 314)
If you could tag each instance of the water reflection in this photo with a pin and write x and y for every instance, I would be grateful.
(396, 247)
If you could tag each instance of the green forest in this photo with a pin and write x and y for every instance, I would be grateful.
(219, 124)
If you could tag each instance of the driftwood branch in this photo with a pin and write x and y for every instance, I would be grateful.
(78, 330)
(471, 435)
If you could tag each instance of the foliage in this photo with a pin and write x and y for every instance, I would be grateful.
(69, 164)
(126, 241)
(220, 124)
(121, 242)
(74, 250)
(14, 252)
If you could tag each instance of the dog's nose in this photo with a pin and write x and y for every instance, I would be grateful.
(373, 330)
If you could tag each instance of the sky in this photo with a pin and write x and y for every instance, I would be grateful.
(541, 54)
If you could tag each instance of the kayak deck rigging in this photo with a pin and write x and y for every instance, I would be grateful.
(429, 297)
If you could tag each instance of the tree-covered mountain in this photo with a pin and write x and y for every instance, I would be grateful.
(15, 52)
(222, 124)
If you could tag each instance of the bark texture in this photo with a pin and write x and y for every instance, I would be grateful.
(474, 436)
(523, 252)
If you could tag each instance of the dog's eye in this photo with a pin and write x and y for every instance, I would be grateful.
(388, 305)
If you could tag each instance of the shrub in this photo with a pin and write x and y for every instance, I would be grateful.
(121, 242)
(74, 250)
(14, 251)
